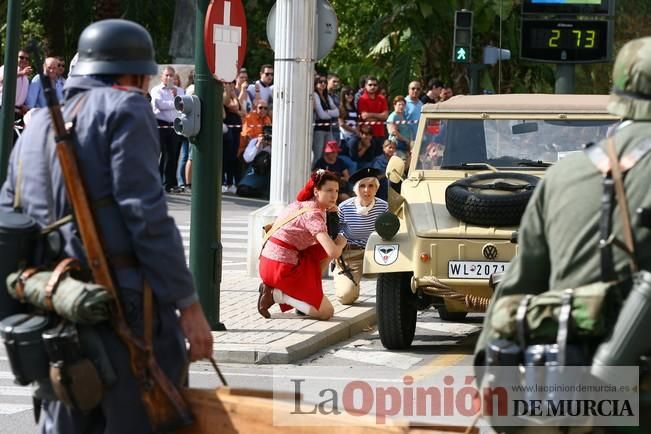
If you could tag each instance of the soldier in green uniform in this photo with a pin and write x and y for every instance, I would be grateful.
(559, 233)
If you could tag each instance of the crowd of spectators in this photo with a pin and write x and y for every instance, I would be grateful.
(29, 92)
(354, 128)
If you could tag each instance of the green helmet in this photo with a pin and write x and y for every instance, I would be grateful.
(631, 94)
(115, 47)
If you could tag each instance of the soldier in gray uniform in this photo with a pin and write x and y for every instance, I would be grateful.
(117, 148)
(559, 233)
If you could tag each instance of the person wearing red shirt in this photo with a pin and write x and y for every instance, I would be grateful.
(373, 107)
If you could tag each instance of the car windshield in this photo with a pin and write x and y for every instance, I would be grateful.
(512, 143)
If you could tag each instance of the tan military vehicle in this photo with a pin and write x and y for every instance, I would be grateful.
(456, 203)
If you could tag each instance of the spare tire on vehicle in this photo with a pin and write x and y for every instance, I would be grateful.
(490, 199)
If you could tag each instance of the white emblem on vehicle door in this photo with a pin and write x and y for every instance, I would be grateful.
(386, 254)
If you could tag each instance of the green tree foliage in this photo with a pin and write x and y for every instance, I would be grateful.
(411, 39)
(259, 51)
(397, 41)
(57, 24)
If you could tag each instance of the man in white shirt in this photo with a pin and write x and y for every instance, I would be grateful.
(263, 88)
(162, 101)
(255, 146)
(22, 83)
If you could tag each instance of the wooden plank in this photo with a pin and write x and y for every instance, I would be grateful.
(232, 411)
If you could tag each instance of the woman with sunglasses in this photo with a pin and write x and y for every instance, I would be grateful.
(348, 119)
(325, 113)
(299, 249)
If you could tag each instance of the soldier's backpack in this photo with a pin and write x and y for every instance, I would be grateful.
(565, 327)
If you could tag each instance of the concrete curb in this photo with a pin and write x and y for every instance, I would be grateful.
(297, 346)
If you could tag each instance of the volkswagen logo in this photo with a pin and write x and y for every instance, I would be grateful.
(489, 251)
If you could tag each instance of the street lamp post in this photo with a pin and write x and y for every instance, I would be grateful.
(295, 52)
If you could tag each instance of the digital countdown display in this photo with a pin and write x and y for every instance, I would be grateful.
(574, 7)
(567, 41)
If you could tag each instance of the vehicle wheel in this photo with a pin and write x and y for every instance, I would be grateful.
(396, 310)
(490, 199)
(446, 315)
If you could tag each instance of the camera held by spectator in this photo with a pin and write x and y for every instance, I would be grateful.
(266, 135)
(257, 155)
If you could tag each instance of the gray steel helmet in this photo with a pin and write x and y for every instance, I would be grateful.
(115, 47)
(631, 94)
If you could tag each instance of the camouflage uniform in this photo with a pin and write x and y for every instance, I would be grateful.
(559, 233)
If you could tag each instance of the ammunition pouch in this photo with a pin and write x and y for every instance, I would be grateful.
(555, 328)
(513, 358)
(593, 311)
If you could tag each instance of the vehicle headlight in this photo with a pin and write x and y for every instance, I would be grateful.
(387, 225)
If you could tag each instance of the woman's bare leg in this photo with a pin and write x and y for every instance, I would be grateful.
(324, 312)
(188, 171)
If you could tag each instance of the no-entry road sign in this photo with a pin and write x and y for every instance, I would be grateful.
(225, 38)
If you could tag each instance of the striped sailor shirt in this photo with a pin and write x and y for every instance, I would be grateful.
(355, 227)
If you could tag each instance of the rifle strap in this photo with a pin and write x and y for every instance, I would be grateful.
(18, 189)
(613, 171)
(620, 194)
(148, 310)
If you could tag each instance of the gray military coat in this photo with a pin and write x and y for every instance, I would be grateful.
(117, 147)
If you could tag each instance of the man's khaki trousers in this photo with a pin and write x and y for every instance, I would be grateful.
(346, 290)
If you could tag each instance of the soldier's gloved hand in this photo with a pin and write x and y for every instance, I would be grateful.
(197, 331)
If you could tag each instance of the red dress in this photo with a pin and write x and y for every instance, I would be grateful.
(290, 260)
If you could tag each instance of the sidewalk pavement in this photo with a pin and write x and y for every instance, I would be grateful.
(286, 337)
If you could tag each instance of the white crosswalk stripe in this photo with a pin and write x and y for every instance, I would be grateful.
(234, 236)
(13, 398)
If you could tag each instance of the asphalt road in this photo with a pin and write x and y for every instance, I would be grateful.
(437, 347)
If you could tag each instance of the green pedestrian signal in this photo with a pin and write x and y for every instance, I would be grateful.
(462, 36)
(462, 53)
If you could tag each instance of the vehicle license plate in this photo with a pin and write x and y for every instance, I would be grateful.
(474, 269)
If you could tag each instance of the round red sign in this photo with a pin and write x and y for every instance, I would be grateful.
(224, 38)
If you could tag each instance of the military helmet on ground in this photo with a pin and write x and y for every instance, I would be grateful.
(630, 97)
(115, 47)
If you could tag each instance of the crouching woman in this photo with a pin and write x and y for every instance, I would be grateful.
(299, 249)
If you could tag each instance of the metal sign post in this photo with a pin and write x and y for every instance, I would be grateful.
(9, 86)
(205, 225)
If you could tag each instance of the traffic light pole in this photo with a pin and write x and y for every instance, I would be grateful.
(474, 69)
(205, 226)
(564, 78)
(9, 86)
